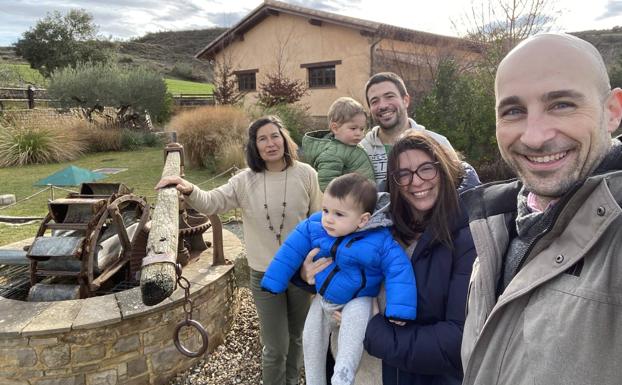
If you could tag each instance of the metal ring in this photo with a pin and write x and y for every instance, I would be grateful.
(204, 339)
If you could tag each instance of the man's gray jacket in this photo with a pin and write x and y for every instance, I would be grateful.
(559, 321)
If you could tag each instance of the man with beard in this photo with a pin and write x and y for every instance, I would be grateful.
(545, 296)
(388, 102)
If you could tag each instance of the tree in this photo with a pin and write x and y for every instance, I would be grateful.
(461, 108)
(461, 103)
(132, 91)
(499, 25)
(58, 41)
(225, 87)
(279, 88)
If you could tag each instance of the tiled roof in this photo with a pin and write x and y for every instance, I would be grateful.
(273, 7)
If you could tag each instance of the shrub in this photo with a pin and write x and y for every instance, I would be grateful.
(294, 116)
(183, 71)
(279, 89)
(151, 139)
(29, 145)
(232, 154)
(94, 85)
(461, 107)
(97, 139)
(206, 132)
(131, 140)
(494, 170)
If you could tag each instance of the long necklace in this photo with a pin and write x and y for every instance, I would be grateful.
(265, 206)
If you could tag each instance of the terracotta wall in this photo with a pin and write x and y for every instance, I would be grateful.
(297, 42)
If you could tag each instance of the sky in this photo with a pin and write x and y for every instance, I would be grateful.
(124, 19)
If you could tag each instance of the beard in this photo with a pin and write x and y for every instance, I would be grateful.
(398, 122)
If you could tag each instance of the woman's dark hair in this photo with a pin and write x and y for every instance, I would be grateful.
(407, 221)
(253, 159)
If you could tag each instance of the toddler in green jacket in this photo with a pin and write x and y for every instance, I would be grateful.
(336, 151)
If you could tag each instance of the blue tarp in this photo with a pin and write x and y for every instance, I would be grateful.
(70, 176)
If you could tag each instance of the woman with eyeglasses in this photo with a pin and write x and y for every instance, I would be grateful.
(424, 180)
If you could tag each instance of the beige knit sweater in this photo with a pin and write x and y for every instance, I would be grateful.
(246, 191)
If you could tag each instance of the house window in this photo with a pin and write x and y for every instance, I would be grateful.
(246, 80)
(322, 75)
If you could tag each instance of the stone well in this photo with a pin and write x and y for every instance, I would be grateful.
(114, 339)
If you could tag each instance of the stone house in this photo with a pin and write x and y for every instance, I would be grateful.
(333, 54)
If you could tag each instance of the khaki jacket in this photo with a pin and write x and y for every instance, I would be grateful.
(559, 321)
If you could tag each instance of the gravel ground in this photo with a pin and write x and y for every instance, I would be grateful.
(238, 360)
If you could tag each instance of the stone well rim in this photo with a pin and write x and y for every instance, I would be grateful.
(21, 318)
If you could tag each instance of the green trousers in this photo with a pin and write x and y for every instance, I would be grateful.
(281, 320)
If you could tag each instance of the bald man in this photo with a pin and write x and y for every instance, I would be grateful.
(545, 296)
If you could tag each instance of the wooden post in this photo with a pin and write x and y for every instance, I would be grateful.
(157, 278)
(30, 94)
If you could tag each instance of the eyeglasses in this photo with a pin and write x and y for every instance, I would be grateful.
(425, 171)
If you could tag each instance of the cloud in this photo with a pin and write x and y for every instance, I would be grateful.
(119, 19)
(328, 6)
(226, 19)
(613, 9)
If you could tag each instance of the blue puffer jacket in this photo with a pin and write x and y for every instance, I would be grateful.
(427, 351)
(361, 261)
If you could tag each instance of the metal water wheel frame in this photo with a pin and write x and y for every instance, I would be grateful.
(109, 213)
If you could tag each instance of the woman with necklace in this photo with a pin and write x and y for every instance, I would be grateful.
(275, 193)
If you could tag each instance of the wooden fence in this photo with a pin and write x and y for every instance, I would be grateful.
(189, 100)
(30, 97)
(38, 97)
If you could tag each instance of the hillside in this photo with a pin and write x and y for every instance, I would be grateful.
(608, 42)
(182, 42)
(162, 51)
(170, 53)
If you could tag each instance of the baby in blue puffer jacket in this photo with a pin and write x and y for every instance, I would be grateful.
(364, 253)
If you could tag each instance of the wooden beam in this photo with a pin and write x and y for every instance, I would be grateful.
(158, 278)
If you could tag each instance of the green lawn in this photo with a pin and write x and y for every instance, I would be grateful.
(185, 87)
(144, 168)
(24, 74)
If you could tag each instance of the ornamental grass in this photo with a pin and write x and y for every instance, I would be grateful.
(36, 144)
(213, 136)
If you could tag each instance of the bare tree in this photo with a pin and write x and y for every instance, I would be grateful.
(279, 86)
(501, 24)
(416, 59)
(225, 85)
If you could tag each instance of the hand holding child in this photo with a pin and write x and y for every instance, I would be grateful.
(310, 267)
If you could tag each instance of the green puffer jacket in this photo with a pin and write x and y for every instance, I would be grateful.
(331, 158)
